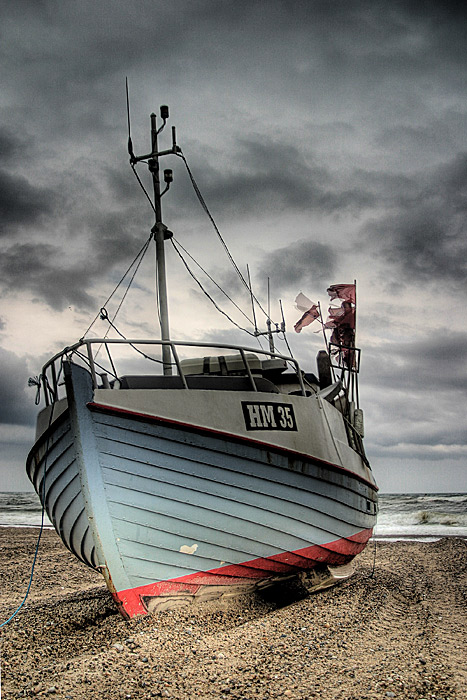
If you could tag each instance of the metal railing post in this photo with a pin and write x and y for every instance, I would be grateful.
(247, 367)
(91, 364)
(179, 367)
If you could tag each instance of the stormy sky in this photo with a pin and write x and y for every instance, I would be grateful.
(329, 142)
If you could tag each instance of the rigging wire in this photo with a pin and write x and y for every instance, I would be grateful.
(85, 360)
(213, 281)
(138, 259)
(224, 244)
(105, 317)
(141, 252)
(190, 272)
(143, 187)
(284, 334)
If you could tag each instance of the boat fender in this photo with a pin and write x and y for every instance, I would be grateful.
(324, 369)
(358, 421)
(223, 366)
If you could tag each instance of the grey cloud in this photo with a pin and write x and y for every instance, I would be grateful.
(268, 176)
(414, 392)
(21, 203)
(83, 239)
(397, 426)
(302, 264)
(289, 42)
(17, 404)
(61, 277)
(434, 363)
(426, 235)
(427, 140)
(39, 268)
(10, 145)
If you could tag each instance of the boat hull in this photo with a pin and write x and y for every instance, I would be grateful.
(171, 512)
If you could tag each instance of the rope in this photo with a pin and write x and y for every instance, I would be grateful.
(41, 529)
(105, 317)
(374, 560)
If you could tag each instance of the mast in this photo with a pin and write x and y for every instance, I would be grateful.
(159, 236)
(160, 231)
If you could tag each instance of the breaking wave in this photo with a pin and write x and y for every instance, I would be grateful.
(430, 517)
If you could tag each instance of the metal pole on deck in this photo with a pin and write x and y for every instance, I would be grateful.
(159, 235)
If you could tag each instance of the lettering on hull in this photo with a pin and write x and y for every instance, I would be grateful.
(268, 416)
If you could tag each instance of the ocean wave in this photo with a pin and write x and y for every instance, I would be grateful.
(443, 498)
(432, 517)
(19, 502)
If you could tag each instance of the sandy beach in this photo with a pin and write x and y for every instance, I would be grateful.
(394, 630)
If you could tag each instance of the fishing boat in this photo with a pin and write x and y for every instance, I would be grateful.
(217, 470)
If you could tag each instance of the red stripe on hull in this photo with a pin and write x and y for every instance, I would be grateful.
(335, 553)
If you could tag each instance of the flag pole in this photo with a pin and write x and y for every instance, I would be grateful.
(357, 397)
(355, 315)
(333, 375)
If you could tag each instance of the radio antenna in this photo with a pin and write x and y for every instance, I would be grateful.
(252, 299)
(130, 143)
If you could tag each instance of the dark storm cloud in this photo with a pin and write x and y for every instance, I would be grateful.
(82, 242)
(351, 44)
(17, 404)
(61, 276)
(403, 427)
(40, 269)
(86, 46)
(133, 30)
(434, 363)
(10, 145)
(414, 390)
(426, 237)
(300, 264)
(437, 362)
(21, 203)
(374, 41)
(423, 141)
(339, 108)
(265, 176)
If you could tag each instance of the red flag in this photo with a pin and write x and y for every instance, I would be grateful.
(346, 292)
(307, 318)
(341, 316)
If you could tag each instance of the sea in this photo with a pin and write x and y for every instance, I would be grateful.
(419, 516)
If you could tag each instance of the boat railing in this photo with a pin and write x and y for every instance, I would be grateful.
(88, 349)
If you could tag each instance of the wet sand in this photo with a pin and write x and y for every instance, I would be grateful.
(396, 632)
